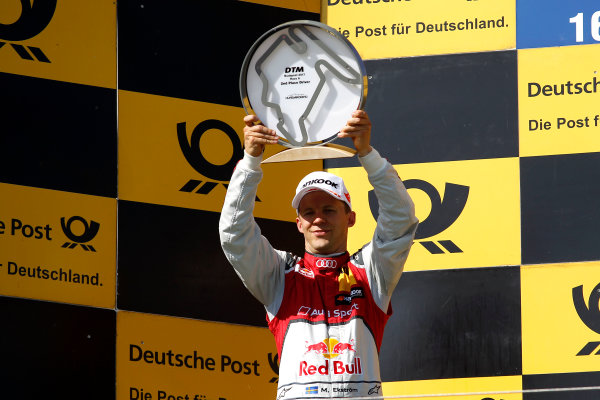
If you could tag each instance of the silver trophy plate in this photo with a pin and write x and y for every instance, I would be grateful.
(303, 79)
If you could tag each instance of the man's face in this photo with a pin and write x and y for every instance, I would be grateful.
(324, 222)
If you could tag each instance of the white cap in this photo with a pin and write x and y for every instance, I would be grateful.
(319, 180)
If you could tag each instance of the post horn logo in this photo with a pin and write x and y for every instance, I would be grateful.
(89, 232)
(193, 154)
(35, 17)
(443, 213)
(274, 364)
(589, 314)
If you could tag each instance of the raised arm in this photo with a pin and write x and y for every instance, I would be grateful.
(259, 266)
(385, 255)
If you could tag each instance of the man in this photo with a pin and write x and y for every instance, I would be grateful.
(327, 309)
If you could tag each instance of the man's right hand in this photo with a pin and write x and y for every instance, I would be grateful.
(256, 136)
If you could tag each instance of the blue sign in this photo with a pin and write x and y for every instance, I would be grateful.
(549, 23)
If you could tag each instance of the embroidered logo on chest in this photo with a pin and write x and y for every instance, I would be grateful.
(346, 281)
(301, 269)
(346, 298)
(329, 349)
(326, 263)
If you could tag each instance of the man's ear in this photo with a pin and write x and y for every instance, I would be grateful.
(351, 219)
(299, 225)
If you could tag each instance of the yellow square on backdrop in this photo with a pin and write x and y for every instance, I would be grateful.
(162, 356)
(58, 246)
(559, 100)
(402, 28)
(471, 208)
(176, 152)
(501, 387)
(559, 306)
(76, 41)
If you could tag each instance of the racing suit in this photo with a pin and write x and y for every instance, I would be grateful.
(327, 313)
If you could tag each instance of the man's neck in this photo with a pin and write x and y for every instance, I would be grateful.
(332, 255)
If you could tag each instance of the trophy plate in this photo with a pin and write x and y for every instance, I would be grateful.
(303, 79)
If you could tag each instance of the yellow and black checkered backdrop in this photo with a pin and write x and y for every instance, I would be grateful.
(120, 127)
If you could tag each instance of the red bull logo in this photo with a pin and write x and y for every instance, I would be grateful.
(335, 367)
(331, 348)
(341, 347)
(318, 348)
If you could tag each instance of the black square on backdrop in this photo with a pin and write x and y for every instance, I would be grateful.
(560, 208)
(454, 324)
(171, 263)
(442, 108)
(56, 351)
(58, 135)
(192, 49)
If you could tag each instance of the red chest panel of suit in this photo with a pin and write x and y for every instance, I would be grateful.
(327, 290)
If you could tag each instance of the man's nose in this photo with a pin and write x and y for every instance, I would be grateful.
(319, 218)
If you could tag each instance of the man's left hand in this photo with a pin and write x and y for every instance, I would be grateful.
(358, 128)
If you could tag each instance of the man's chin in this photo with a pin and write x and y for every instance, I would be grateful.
(324, 247)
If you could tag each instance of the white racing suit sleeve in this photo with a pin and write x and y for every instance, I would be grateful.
(256, 262)
(385, 255)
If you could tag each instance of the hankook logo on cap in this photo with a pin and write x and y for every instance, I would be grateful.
(326, 263)
(320, 180)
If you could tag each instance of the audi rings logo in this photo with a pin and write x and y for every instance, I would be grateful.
(193, 154)
(34, 17)
(89, 232)
(326, 263)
